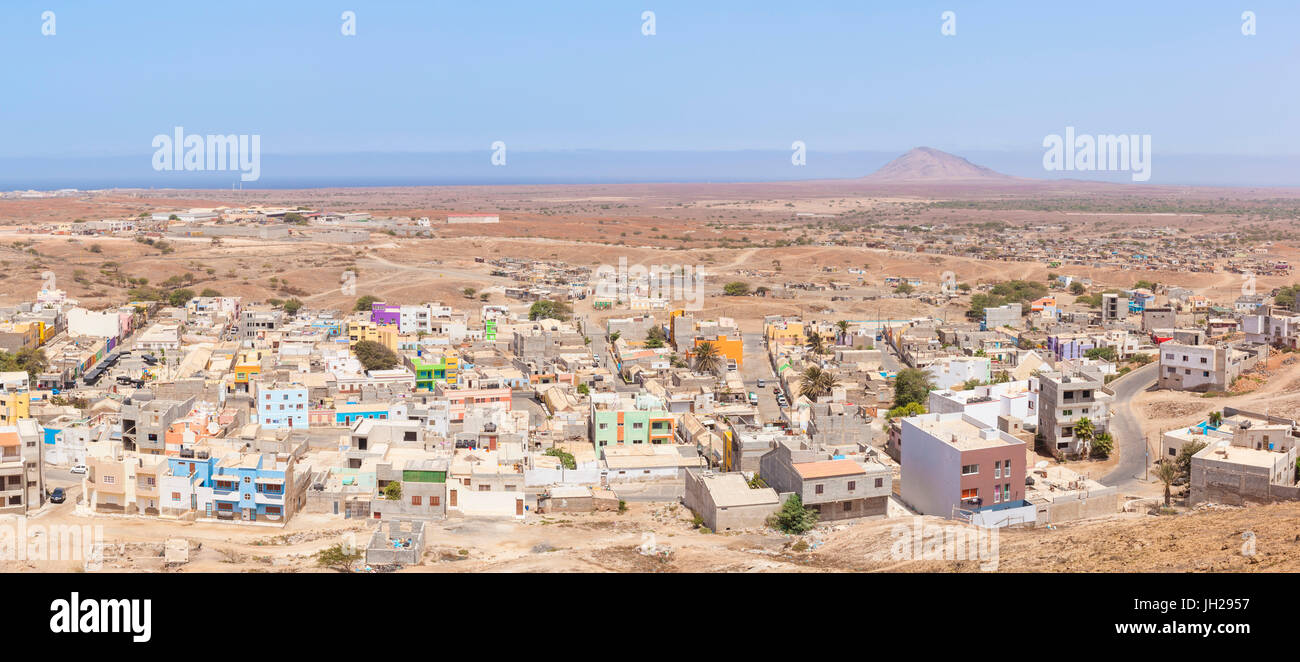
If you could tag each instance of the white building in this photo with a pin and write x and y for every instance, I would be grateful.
(953, 371)
(986, 403)
(454, 219)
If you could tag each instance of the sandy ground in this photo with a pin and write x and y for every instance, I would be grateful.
(660, 538)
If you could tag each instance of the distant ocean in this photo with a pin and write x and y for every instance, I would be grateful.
(279, 171)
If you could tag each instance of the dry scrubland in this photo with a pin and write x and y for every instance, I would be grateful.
(701, 225)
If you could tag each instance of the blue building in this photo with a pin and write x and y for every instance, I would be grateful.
(281, 405)
(252, 488)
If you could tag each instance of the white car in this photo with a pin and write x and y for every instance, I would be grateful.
(79, 469)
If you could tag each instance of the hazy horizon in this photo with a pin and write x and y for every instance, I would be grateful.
(419, 93)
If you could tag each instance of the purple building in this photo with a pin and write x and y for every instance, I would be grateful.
(1069, 346)
(382, 313)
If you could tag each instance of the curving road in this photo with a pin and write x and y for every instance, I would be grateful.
(1124, 426)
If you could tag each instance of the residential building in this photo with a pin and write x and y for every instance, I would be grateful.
(282, 405)
(1064, 399)
(956, 465)
(22, 467)
(1205, 367)
(726, 502)
(835, 488)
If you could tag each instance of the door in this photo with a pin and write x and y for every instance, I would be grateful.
(452, 501)
(519, 507)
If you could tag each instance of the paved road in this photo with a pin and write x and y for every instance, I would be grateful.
(1125, 428)
(756, 366)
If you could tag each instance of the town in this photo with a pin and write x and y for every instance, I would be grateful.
(377, 434)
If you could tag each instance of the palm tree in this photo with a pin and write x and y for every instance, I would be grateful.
(827, 382)
(1084, 429)
(843, 326)
(1167, 473)
(815, 382)
(707, 357)
(1216, 418)
(815, 343)
(808, 382)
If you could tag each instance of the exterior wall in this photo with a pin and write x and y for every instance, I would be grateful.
(1192, 368)
(1223, 481)
(993, 474)
(282, 408)
(929, 480)
(619, 428)
(954, 372)
(1058, 413)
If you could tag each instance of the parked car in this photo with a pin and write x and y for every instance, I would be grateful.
(762, 382)
(79, 469)
(57, 495)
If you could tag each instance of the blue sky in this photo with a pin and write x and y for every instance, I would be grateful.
(718, 75)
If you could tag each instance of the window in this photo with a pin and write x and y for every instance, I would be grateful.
(997, 494)
(272, 510)
(1173, 452)
(435, 501)
(970, 494)
(848, 505)
(176, 496)
(997, 469)
(415, 501)
(1067, 412)
(819, 489)
(880, 482)
(969, 469)
(853, 485)
(1006, 492)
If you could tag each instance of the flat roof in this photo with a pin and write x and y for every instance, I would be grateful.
(829, 468)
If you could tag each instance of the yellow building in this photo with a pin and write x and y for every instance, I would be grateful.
(730, 348)
(384, 334)
(247, 368)
(14, 405)
(785, 333)
(20, 335)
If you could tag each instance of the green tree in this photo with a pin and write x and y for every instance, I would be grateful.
(374, 356)
(363, 303)
(793, 518)
(393, 491)
(843, 327)
(816, 344)
(180, 297)
(707, 357)
(31, 361)
(547, 309)
(815, 382)
(1183, 461)
(1106, 353)
(904, 288)
(903, 411)
(1167, 473)
(912, 385)
(1077, 288)
(1102, 445)
(292, 306)
(736, 288)
(1216, 418)
(566, 459)
(209, 292)
(1084, 430)
(338, 558)
(584, 389)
